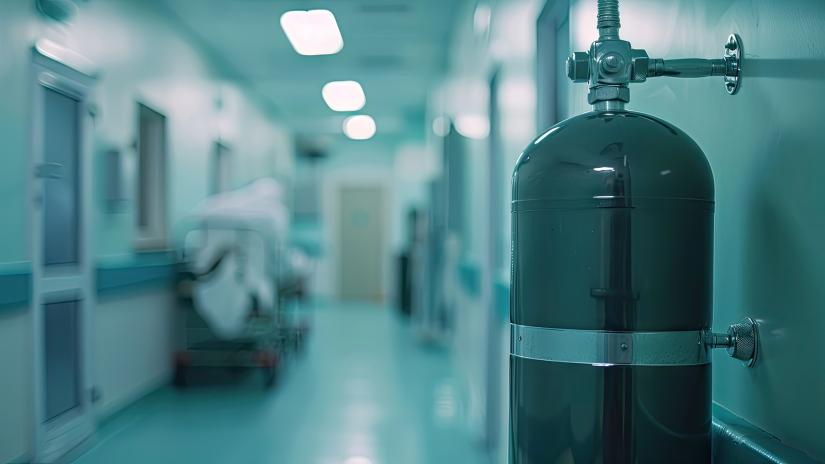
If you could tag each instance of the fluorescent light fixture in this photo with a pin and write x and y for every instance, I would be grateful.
(604, 169)
(312, 32)
(358, 460)
(472, 126)
(344, 95)
(361, 127)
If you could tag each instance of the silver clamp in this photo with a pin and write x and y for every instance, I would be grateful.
(741, 341)
(609, 348)
(602, 348)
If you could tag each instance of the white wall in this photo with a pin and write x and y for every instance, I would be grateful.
(135, 334)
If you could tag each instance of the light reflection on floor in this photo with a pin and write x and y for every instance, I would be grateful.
(364, 393)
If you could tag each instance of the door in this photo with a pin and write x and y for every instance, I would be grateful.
(361, 243)
(62, 294)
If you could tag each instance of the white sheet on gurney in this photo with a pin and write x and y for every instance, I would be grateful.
(259, 204)
(222, 301)
(225, 298)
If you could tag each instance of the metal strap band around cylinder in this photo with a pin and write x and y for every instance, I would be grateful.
(604, 348)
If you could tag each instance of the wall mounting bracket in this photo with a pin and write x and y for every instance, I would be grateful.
(611, 64)
(733, 60)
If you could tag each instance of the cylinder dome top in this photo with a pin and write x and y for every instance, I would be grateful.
(613, 156)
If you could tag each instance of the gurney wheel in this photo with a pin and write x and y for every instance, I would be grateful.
(268, 361)
(182, 362)
(179, 379)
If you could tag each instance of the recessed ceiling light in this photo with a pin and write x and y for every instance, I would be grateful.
(472, 126)
(361, 127)
(358, 460)
(313, 32)
(344, 95)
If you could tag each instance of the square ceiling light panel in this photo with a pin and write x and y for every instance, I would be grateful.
(313, 32)
(344, 95)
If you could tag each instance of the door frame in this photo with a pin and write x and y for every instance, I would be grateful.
(551, 15)
(492, 265)
(53, 439)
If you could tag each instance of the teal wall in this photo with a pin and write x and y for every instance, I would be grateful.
(764, 146)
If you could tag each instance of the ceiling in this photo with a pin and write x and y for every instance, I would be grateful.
(396, 49)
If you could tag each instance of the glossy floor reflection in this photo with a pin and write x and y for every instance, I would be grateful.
(365, 392)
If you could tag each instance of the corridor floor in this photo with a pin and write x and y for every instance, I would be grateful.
(364, 392)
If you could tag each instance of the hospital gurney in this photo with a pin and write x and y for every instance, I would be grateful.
(231, 289)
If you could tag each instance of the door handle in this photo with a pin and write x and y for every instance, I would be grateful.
(49, 171)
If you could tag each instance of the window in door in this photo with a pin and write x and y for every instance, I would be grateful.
(62, 354)
(61, 179)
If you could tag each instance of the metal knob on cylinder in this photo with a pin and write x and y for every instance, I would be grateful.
(741, 341)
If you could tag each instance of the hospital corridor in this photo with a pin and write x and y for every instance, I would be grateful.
(412, 231)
